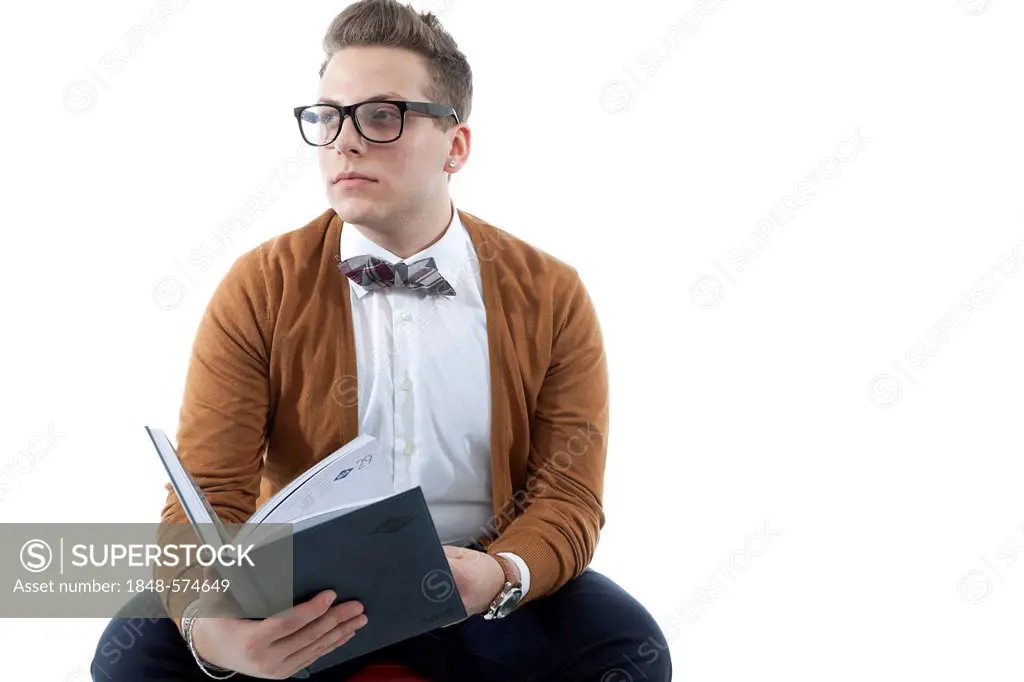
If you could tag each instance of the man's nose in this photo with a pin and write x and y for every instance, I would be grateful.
(349, 139)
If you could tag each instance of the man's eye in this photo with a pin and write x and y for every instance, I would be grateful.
(314, 117)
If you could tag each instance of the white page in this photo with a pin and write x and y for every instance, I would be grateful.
(351, 477)
(197, 508)
(204, 519)
(260, 534)
(354, 450)
(325, 515)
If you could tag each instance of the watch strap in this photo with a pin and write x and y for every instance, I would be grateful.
(512, 582)
(510, 570)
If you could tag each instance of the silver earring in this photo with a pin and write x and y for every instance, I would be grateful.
(452, 163)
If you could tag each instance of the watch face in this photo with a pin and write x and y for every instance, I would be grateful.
(509, 603)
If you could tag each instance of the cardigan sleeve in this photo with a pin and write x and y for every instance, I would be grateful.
(556, 534)
(225, 411)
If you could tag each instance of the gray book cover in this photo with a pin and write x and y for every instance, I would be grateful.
(388, 556)
(385, 554)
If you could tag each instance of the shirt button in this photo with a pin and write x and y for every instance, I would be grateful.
(409, 448)
(406, 385)
(406, 315)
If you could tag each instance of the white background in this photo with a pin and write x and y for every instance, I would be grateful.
(644, 145)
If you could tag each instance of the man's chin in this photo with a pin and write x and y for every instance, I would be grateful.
(358, 211)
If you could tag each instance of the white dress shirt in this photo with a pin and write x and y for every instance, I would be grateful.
(424, 383)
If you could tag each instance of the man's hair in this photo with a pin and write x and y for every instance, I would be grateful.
(389, 23)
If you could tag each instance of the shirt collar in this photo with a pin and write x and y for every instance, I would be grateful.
(448, 252)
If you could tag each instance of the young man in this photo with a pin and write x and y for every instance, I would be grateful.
(474, 358)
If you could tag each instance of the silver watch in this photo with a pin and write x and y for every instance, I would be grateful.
(509, 596)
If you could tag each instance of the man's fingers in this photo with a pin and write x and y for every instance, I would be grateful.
(453, 552)
(343, 617)
(313, 657)
(329, 641)
(294, 619)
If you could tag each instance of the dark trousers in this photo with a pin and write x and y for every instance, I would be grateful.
(590, 630)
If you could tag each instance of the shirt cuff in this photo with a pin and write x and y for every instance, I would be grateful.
(524, 571)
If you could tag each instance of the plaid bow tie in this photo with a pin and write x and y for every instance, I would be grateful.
(373, 273)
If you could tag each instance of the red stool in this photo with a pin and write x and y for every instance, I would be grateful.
(386, 672)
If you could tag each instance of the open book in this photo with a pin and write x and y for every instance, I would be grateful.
(345, 529)
(351, 477)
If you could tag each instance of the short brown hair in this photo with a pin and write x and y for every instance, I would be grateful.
(390, 23)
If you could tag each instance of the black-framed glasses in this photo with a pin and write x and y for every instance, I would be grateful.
(379, 120)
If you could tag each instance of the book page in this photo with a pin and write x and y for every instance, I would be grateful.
(344, 479)
(197, 508)
(266, 533)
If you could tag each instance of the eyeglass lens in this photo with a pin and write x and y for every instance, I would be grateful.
(378, 122)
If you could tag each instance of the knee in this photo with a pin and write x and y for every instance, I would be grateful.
(653, 657)
(121, 652)
(137, 633)
(635, 646)
(118, 638)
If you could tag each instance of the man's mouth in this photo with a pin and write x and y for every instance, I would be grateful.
(351, 178)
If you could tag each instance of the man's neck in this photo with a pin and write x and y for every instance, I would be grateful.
(411, 233)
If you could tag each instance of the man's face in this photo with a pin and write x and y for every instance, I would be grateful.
(407, 174)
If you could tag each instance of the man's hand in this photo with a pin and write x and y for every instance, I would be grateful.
(278, 647)
(478, 577)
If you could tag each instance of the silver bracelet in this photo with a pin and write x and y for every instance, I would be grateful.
(188, 622)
